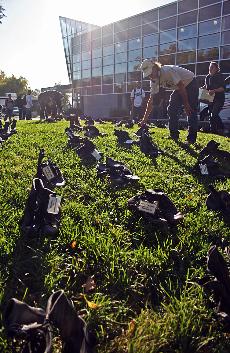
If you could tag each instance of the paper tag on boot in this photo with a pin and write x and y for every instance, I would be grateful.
(148, 207)
(96, 154)
(47, 171)
(129, 141)
(203, 169)
(54, 204)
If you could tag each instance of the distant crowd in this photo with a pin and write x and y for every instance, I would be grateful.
(24, 104)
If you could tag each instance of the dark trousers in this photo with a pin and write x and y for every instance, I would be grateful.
(137, 113)
(175, 104)
(216, 123)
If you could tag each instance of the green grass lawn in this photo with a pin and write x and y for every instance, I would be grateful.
(146, 292)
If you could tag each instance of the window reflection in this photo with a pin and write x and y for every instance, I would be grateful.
(187, 5)
(134, 21)
(167, 59)
(226, 37)
(96, 62)
(108, 60)
(107, 79)
(208, 41)
(120, 57)
(133, 66)
(168, 10)
(86, 73)
(108, 50)
(120, 77)
(225, 66)
(119, 88)
(150, 28)
(134, 55)
(208, 27)
(76, 75)
(226, 8)
(150, 16)
(225, 52)
(134, 76)
(134, 32)
(96, 53)
(119, 47)
(108, 29)
(189, 67)
(187, 18)
(187, 44)
(167, 48)
(134, 43)
(150, 52)
(208, 54)
(187, 32)
(168, 23)
(107, 89)
(108, 70)
(150, 40)
(120, 36)
(96, 80)
(186, 57)
(167, 36)
(210, 12)
(202, 69)
(107, 40)
(120, 68)
(226, 22)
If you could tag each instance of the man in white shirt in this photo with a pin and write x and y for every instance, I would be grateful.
(137, 100)
(29, 104)
(185, 92)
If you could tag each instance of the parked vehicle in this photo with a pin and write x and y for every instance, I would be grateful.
(15, 111)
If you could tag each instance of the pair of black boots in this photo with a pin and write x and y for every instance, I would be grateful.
(219, 201)
(31, 328)
(42, 211)
(49, 172)
(117, 172)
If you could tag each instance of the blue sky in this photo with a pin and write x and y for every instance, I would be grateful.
(30, 36)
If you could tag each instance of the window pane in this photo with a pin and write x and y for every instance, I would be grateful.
(86, 73)
(134, 44)
(120, 68)
(134, 21)
(96, 43)
(76, 75)
(226, 22)
(107, 40)
(225, 66)
(134, 55)
(186, 57)
(121, 25)
(108, 70)
(168, 23)
(150, 52)
(208, 54)
(120, 36)
(189, 67)
(226, 37)
(167, 36)
(150, 40)
(107, 89)
(225, 52)
(96, 62)
(85, 46)
(108, 29)
(108, 50)
(187, 5)
(76, 40)
(187, 44)
(86, 64)
(76, 58)
(150, 28)
(77, 67)
(167, 48)
(187, 32)
(119, 88)
(120, 57)
(107, 79)
(96, 80)
(209, 27)
(150, 16)
(208, 41)
(96, 90)
(120, 78)
(133, 66)
(134, 76)
(187, 18)
(167, 59)
(134, 32)
(86, 82)
(108, 60)
(96, 53)
(85, 55)
(207, 2)
(96, 33)
(202, 69)
(168, 10)
(119, 47)
(210, 12)
(226, 8)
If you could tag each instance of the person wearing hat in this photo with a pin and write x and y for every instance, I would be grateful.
(185, 92)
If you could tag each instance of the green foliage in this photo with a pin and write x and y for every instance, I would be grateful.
(12, 84)
(141, 273)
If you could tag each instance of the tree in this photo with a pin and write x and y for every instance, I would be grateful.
(12, 84)
(2, 13)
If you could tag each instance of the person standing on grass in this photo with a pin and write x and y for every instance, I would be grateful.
(9, 106)
(185, 93)
(28, 105)
(215, 84)
(137, 99)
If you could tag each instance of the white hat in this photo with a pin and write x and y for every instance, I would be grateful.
(146, 67)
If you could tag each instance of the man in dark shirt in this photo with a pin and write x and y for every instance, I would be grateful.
(215, 84)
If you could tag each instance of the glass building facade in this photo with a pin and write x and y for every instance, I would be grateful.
(103, 62)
